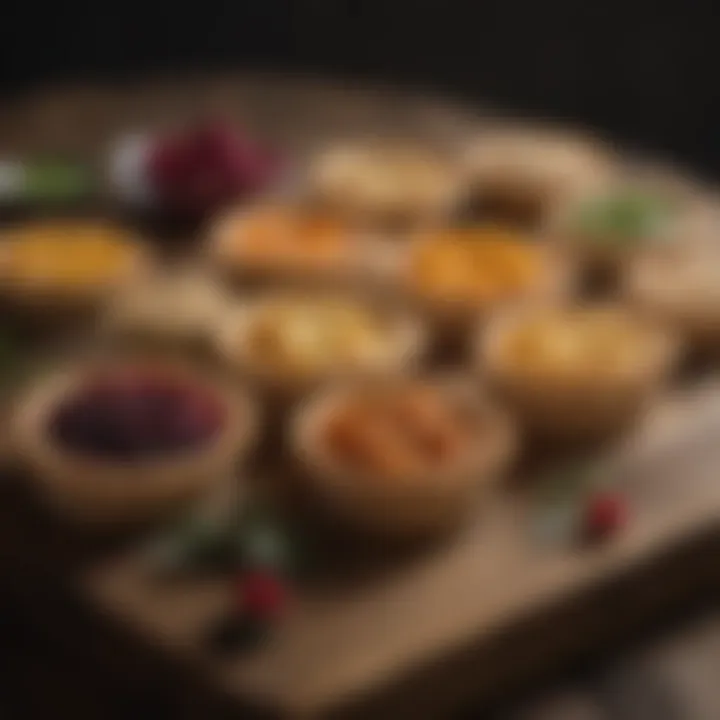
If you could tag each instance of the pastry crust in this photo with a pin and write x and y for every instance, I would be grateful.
(679, 287)
(108, 494)
(687, 218)
(384, 185)
(45, 292)
(549, 278)
(425, 504)
(176, 309)
(534, 172)
(573, 402)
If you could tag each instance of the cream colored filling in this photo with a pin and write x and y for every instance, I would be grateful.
(317, 337)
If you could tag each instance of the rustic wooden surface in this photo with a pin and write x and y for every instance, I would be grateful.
(419, 639)
(343, 644)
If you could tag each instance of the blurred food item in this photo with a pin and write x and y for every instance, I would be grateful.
(66, 256)
(137, 414)
(625, 218)
(406, 459)
(29, 181)
(521, 177)
(397, 436)
(284, 240)
(129, 440)
(475, 266)
(308, 336)
(174, 306)
(576, 344)
(576, 371)
(680, 286)
(385, 185)
(604, 230)
(606, 513)
(194, 171)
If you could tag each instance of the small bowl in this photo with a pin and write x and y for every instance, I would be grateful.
(105, 492)
(584, 407)
(522, 176)
(49, 301)
(413, 508)
(405, 335)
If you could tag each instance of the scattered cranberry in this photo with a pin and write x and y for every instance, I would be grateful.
(261, 595)
(605, 515)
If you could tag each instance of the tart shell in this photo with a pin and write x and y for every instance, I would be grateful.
(451, 321)
(541, 169)
(360, 262)
(105, 493)
(563, 409)
(607, 261)
(696, 319)
(47, 304)
(365, 208)
(420, 507)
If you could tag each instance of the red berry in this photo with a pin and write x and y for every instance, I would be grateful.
(208, 166)
(605, 514)
(261, 595)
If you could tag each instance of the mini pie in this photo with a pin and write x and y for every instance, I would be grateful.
(605, 229)
(575, 372)
(462, 273)
(292, 340)
(67, 261)
(284, 241)
(404, 459)
(124, 442)
(385, 185)
(522, 178)
(175, 306)
(679, 286)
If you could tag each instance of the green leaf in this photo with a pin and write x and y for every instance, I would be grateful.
(57, 181)
(627, 217)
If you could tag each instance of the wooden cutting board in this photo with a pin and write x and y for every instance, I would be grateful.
(342, 644)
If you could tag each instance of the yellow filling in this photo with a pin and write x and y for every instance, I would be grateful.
(592, 342)
(285, 235)
(475, 265)
(307, 337)
(73, 254)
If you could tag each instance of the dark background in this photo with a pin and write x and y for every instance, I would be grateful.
(641, 70)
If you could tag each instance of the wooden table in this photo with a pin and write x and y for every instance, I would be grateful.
(416, 637)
